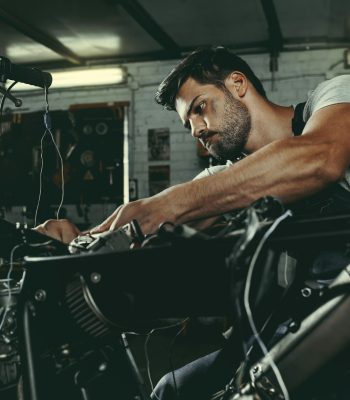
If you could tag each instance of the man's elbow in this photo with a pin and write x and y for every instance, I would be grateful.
(330, 172)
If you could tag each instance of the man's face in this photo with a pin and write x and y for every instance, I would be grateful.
(221, 122)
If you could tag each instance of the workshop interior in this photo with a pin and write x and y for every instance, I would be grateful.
(107, 315)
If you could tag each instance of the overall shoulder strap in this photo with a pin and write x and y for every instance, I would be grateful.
(298, 123)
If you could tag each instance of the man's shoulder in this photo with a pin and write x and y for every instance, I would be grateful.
(336, 81)
(332, 91)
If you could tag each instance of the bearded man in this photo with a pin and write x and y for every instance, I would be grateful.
(283, 153)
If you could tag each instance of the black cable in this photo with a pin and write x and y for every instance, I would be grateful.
(47, 99)
(162, 232)
(4, 98)
(148, 366)
(48, 129)
(171, 354)
(148, 336)
(248, 309)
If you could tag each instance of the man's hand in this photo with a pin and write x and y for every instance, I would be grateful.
(149, 213)
(61, 229)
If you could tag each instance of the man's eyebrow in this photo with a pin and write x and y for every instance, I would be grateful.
(189, 109)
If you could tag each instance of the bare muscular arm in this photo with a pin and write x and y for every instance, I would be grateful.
(290, 169)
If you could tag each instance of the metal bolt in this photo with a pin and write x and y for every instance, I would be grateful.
(95, 277)
(40, 295)
(102, 367)
(65, 352)
(306, 292)
(293, 326)
(256, 370)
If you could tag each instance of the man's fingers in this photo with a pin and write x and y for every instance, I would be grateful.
(49, 228)
(69, 232)
(40, 229)
(62, 230)
(106, 224)
(114, 225)
(130, 211)
(103, 226)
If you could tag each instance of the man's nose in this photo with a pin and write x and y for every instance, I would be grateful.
(198, 128)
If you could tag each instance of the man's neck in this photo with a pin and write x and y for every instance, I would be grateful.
(270, 122)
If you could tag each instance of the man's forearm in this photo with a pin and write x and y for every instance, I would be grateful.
(289, 169)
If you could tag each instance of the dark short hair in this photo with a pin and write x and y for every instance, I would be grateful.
(207, 66)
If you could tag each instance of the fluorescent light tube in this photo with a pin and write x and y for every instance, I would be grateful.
(81, 77)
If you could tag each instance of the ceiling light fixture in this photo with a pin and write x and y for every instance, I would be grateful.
(81, 77)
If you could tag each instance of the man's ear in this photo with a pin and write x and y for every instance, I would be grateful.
(237, 83)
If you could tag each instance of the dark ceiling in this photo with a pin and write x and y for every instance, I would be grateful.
(76, 32)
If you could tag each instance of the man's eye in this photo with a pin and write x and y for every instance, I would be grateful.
(200, 107)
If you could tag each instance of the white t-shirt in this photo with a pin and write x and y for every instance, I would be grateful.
(333, 91)
(213, 170)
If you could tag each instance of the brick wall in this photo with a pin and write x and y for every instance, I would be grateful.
(298, 73)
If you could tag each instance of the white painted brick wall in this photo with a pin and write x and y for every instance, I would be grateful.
(298, 73)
